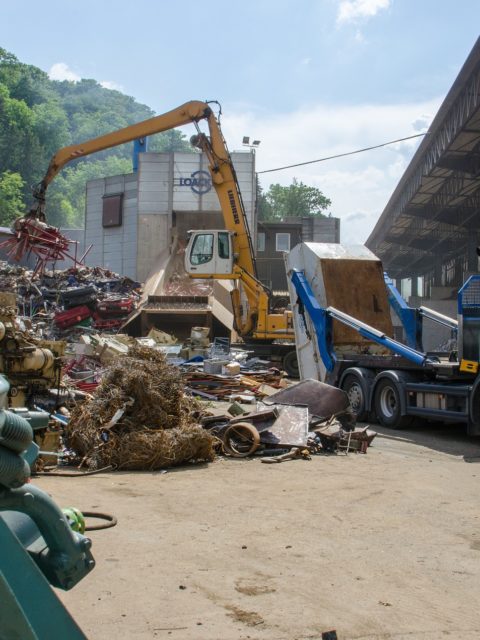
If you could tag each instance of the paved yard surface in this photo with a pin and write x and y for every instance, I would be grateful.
(377, 546)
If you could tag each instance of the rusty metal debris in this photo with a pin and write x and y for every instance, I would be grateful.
(144, 403)
(47, 243)
(158, 427)
(296, 453)
(321, 399)
(62, 302)
(241, 439)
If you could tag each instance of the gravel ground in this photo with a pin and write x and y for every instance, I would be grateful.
(377, 546)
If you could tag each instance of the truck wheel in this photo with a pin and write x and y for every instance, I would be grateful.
(290, 364)
(356, 395)
(388, 407)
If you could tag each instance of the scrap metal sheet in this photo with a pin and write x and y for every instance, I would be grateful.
(290, 428)
(322, 399)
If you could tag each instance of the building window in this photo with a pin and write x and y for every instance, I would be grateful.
(260, 242)
(282, 242)
(112, 210)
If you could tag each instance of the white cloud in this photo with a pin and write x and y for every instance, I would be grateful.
(353, 10)
(306, 61)
(359, 37)
(61, 71)
(361, 183)
(422, 123)
(110, 84)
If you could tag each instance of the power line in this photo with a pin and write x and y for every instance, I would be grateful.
(342, 155)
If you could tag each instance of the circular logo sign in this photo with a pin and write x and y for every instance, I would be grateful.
(199, 182)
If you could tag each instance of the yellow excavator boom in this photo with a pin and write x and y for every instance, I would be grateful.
(257, 322)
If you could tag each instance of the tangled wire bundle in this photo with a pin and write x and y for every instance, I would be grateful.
(157, 428)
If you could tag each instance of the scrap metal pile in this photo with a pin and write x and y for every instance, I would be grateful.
(139, 417)
(61, 300)
(296, 422)
(32, 236)
(150, 403)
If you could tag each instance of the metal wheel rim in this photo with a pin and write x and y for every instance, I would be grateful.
(355, 396)
(388, 402)
(241, 439)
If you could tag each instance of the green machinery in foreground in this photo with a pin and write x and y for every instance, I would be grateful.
(38, 548)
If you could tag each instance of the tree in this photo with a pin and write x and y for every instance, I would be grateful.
(173, 140)
(296, 200)
(38, 116)
(264, 208)
(11, 201)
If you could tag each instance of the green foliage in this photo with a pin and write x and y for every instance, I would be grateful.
(264, 208)
(173, 140)
(297, 200)
(11, 203)
(23, 81)
(39, 116)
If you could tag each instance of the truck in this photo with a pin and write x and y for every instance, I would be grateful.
(221, 254)
(340, 302)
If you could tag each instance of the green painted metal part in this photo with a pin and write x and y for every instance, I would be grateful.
(38, 548)
(29, 609)
(63, 555)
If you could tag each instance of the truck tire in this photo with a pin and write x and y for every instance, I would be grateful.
(290, 364)
(388, 407)
(355, 391)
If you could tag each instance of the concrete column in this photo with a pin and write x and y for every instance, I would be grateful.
(414, 286)
(437, 277)
(472, 256)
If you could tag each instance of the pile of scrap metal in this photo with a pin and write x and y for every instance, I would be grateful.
(216, 371)
(139, 417)
(246, 385)
(306, 418)
(33, 370)
(57, 302)
(146, 403)
(32, 365)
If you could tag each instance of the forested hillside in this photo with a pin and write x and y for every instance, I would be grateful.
(39, 115)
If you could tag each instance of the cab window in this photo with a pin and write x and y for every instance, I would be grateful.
(202, 249)
(223, 245)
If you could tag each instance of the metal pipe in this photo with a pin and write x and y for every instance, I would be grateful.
(431, 314)
(377, 336)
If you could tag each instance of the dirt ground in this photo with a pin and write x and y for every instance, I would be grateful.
(377, 546)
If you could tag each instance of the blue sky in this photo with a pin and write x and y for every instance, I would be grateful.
(308, 78)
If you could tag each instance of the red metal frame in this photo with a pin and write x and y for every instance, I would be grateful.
(45, 242)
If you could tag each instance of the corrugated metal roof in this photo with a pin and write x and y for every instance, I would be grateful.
(434, 212)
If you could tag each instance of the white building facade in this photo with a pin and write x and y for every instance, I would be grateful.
(130, 219)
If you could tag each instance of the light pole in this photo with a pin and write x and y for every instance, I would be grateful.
(253, 145)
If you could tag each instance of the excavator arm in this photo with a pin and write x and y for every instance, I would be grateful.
(188, 112)
(256, 320)
(214, 146)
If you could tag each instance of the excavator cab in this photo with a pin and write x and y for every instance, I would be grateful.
(209, 253)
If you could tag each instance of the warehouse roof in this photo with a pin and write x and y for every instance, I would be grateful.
(436, 205)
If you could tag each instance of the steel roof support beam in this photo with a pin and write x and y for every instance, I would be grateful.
(462, 109)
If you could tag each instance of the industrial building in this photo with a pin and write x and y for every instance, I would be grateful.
(276, 237)
(131, 219)
(430, 227)
(428, 234)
